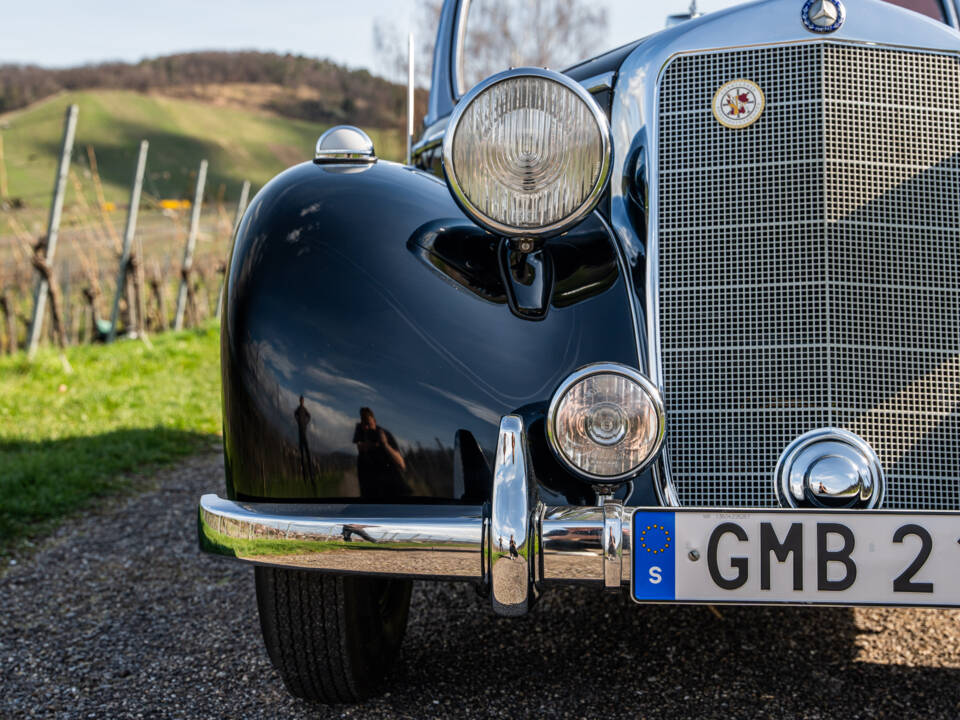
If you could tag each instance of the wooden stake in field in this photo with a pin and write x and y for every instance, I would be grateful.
(155, 279)
(241, 208)
(3, 172)
(191, 244)
(128, 234)
(9, 308)
(53, 228)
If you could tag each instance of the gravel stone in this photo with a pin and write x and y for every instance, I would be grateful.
(119, 615)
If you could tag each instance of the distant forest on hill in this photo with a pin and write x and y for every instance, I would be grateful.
(336, 94)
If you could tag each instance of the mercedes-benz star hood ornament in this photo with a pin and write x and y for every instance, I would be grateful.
(823, 16)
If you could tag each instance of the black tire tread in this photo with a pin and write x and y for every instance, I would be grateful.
(320, 634)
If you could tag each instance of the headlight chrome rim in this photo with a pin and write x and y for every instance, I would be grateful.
(652, 392)
(493, 225)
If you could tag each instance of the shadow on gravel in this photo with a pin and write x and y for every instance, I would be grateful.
(586, 655)
(42, 480)
(119, 615)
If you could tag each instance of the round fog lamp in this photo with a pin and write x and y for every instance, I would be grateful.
(606, 422)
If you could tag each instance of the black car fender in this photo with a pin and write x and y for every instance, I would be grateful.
(359, 290)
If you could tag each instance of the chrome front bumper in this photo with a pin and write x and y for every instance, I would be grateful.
(515, 546)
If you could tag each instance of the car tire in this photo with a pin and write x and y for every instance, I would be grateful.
(331, 637)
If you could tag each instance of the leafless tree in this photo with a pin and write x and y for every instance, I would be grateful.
(390, 44)
(540, 33)
(500, 34)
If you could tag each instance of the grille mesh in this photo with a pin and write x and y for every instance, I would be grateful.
(808, 269)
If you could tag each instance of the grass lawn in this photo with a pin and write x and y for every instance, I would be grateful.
(66, 439)
(239, 144)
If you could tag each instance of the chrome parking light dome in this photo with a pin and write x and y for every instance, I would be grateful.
(344, 144)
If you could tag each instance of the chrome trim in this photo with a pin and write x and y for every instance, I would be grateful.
(414, 540)
(950, 12)
(591, 200)
(571, 545)
(612, 545)
(344, 144)
(634, 119)
(432, 137)
(624, 267)
(512, 544)
(794, 483)
(426, 542)
(612, 369)
(598, 83)
(456, 60)
(435, 541)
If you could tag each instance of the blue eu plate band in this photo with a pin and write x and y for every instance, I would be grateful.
(654, 556)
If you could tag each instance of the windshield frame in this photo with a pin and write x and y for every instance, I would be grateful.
(460, 30)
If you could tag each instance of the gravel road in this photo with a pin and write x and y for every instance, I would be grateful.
(119, 616)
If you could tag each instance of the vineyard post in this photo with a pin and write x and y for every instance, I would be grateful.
(241, 207)
(128, 234)
(3, 172)
(9, 308)
(191, 244)
(53, 228)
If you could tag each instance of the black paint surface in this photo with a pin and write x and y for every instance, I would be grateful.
(366, 287)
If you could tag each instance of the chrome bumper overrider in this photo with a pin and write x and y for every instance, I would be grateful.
(514, 546)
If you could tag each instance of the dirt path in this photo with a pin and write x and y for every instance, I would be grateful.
(120, 616)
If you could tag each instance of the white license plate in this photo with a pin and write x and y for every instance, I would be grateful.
(884, 557)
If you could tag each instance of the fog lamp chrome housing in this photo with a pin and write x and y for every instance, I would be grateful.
(606, 422)
(527, 153)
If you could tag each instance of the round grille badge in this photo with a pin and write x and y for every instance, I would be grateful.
(738, 104)
(823, 16)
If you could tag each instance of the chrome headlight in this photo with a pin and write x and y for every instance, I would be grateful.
(527, 152)
(606, 422)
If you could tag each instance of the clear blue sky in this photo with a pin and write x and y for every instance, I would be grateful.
(63, 33)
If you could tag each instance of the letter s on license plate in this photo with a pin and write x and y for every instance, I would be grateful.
(883, 557)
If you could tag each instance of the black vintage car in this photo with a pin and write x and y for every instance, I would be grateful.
(681, 320)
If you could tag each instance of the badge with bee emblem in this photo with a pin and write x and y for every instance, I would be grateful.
(738, 104)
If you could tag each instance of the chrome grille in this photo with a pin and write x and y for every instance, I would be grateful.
(808, 267)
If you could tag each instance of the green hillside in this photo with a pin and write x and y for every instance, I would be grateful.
(239, 144)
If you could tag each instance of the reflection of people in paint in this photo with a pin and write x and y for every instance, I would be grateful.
(500, 542)
(350, 530)
(306, 464)
(380, 465)
(513, 547)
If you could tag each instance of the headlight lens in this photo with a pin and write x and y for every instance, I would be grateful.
(606, 422)
(527, 152)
